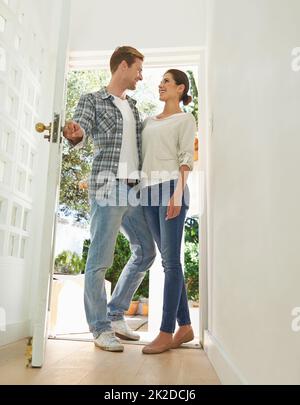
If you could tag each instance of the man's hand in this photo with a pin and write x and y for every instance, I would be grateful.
(73, 132)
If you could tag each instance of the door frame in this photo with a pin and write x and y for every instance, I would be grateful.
(176, 57)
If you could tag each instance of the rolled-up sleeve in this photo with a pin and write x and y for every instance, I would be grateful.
(186, 141)
(85, 116)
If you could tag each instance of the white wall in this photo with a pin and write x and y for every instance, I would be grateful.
(254, 188)
(99, 25)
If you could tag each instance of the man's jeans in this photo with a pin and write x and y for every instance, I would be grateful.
(106, 222)
(168, 235)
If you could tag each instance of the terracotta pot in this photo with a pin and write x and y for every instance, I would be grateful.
(145, 309)
(132, 310)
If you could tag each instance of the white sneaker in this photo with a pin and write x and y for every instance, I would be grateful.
(108, 341)
(123, 331)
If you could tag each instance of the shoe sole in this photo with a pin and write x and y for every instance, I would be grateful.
(110, 349)
(124, 337)
(153, 351)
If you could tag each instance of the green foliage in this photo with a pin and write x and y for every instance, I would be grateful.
(75, 168)
(193, 107)
(68, 263)
(143, 290)
(122, 254)
(192, 230)
(85, 251)
(191, 270)
(81, 82)
(191, 258)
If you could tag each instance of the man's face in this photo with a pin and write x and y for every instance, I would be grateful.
(134, 74)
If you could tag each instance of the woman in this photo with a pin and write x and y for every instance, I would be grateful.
(168, 141)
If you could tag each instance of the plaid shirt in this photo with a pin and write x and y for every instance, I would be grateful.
(97, 114)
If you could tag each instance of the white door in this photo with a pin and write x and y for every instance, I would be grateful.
(33, 49)
(54, 136)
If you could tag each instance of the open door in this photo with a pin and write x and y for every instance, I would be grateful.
(53, 134)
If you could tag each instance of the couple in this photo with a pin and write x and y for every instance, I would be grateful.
(161, 149)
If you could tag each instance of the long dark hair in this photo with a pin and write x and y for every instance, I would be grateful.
(181, 78)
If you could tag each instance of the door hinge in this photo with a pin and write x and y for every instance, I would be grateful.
(28, 353)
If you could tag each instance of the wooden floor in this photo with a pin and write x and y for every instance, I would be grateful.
(70, 362)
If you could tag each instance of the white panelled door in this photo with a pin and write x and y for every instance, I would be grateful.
(53, 176)
(33, 53)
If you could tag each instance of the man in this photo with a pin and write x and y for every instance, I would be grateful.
(110, 117)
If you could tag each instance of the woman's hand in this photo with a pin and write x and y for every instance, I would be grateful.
(174, 205)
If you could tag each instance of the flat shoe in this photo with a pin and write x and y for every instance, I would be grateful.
(187, 337)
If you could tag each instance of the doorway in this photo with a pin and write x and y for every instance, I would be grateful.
(67, 320)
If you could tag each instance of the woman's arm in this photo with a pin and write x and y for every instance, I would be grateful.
(186, 161)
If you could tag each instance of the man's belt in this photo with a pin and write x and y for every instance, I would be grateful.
(129, 182)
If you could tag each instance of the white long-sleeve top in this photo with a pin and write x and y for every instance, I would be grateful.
(167, 144)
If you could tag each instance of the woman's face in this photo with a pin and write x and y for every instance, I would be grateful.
(169, 90)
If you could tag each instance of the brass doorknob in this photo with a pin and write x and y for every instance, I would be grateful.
(40, 127)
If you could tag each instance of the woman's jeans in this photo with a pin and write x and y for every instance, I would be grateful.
(107, 217)
(168, 236)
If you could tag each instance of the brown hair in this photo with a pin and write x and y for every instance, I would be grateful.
(126, 53)
(181, 78)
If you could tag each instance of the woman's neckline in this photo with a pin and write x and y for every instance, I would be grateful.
(169, 116)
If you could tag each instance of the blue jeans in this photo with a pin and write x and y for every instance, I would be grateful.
(168, 236)
(106, 221)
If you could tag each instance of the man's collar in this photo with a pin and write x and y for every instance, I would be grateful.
(105, 95)
(131, 100)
